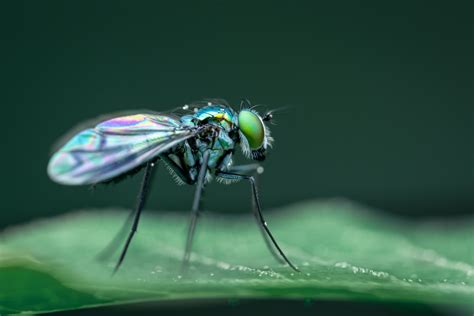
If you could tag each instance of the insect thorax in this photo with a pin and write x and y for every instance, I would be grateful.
(219, 138)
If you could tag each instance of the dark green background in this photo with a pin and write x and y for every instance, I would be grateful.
(379, 96)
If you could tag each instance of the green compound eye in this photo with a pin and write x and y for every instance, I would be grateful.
(252, 127)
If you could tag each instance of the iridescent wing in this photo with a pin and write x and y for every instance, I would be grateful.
(114, 147)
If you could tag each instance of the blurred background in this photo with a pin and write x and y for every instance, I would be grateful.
(378, 97)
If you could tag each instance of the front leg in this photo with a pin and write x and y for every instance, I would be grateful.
(256, 169)
(258, 212)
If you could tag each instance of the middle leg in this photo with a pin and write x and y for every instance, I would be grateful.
(195, 208)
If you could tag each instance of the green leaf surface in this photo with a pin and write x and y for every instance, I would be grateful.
(343, 250)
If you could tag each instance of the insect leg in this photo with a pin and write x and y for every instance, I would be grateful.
(195, 208)
(250, 168)
(257, 169)
(251, 179)
(142, 195)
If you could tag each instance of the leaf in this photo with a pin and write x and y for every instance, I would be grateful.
(344, 251)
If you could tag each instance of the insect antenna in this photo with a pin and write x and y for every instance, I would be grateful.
(268, 116)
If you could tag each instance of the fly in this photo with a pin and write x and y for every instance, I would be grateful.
(196, 144)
